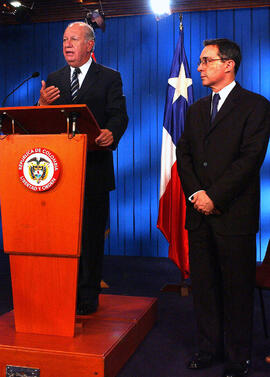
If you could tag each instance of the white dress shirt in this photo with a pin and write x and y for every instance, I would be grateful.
(223, 94)
(84, 69)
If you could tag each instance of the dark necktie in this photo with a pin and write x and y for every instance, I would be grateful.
(215, 101)
(75, 84)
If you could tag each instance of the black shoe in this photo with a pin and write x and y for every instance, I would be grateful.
(87, 307)
(201, 360)
(237, 369)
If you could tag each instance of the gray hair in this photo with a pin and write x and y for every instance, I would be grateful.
(89, 31)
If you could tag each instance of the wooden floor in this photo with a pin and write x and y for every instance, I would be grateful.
(102, 344)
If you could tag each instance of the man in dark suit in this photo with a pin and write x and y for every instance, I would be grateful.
(219, 157)
(83, 81)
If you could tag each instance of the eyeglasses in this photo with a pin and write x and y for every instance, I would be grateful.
(205, 60)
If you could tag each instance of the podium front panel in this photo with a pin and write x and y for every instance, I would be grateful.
(43, 222)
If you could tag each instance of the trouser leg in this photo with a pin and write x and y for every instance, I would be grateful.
(237, 256)
(206, 289)
(223, 275)
(95, 216)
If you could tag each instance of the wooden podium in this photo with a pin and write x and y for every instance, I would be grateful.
(42, 225)
(42, 229)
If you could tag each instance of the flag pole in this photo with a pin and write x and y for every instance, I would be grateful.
(181, 21)
(184, 286)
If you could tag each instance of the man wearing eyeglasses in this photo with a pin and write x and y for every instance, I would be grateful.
(219, 157)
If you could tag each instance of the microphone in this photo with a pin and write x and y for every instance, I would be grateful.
(74, 117)
(35, 74)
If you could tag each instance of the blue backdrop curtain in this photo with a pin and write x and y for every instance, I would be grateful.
(142, 50)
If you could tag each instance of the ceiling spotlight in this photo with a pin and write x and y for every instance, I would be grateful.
(96, 19)
(17, 9)
(161, 8)
(16, 4)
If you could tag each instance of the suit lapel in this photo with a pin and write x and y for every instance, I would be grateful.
(65, 85)
(226, 108)
(205, 113)
(89, 82)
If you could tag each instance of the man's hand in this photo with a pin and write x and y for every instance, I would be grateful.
(48, 95)
(202, 203)
(105, 139)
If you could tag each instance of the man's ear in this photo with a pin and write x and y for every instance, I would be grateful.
(90, 46)
(230, 64)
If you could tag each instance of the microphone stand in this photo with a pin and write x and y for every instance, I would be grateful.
(2, 116)
(35, 74)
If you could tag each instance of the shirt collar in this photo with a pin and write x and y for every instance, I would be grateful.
(84, 68)
(224, 92)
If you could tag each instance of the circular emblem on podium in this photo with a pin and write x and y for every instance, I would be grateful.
(39, 169)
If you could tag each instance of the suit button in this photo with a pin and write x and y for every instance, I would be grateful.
(205, 164)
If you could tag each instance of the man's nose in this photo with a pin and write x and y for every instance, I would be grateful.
(199, 67)
(67, 43)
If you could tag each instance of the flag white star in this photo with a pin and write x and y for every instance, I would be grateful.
(180, 83)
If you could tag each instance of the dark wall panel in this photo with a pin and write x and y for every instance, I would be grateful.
(142, 50)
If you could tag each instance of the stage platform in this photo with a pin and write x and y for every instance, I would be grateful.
(102, 344)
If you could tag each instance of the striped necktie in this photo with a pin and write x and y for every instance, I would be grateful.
(75, 84)
(215, 101)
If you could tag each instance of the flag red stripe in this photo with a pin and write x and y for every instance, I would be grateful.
(171, 222)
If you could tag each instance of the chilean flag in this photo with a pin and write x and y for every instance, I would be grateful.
(172, 207)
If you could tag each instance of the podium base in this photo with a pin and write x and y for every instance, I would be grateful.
(102, 344)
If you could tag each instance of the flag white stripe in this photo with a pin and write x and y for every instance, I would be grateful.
(168, 158)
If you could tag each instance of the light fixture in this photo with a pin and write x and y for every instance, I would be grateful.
(161, 8)
(16, 4)
(96, 18)
(17, 9)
